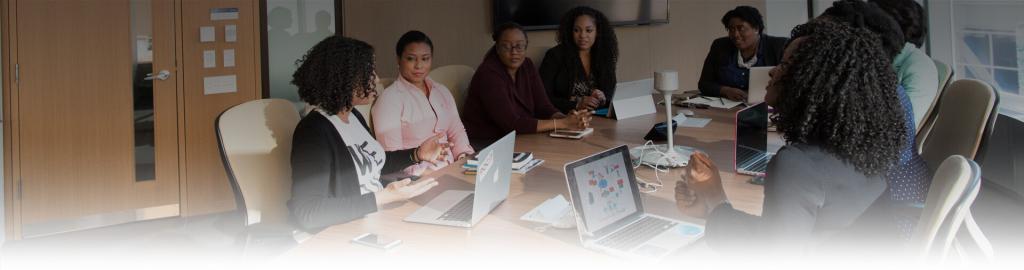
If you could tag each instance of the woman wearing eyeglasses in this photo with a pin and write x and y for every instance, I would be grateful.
(507, 94)
(726, 69)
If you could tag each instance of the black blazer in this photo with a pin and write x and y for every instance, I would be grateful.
(562, 66)
(325, 186)
(722, 49)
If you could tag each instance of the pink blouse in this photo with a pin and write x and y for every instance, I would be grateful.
(403, 118)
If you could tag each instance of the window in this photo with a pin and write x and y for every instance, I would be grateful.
(987, 44)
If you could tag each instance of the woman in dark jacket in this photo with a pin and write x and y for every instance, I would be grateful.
(726, 69)
(579, 73)
(336, 163)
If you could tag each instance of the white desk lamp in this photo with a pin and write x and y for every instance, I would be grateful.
(671, 155)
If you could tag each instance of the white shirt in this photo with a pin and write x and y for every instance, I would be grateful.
(367, 154)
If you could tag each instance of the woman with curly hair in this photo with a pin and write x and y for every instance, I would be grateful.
(915, 69)
(579, 73)
(837, 108)
(909, 179)
(416, 107)
(726, 69)
(336, 163)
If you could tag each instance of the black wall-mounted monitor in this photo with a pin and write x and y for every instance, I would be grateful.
(546, 14)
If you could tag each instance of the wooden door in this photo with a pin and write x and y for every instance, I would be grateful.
(207, 189)
(93, 147)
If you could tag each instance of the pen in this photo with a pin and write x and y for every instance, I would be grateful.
(706, 98)
(720, 100)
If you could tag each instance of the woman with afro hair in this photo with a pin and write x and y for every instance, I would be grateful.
(336, 162)
(838, 111)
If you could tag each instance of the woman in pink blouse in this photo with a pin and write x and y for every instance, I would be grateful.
(415, 108)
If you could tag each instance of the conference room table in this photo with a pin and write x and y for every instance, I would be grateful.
(503, 236)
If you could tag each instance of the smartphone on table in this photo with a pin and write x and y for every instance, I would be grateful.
(376, 241)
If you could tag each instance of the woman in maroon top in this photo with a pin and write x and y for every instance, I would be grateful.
(507, 94)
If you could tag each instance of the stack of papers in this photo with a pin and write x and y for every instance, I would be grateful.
(714, 102)
(522, 162)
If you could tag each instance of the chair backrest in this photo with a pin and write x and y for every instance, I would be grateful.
(945, 76)
(536, 54)
(255, 141)
(966, 115)
(456, 78)
(954, 187)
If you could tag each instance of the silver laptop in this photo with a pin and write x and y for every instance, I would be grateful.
(610, 214)
(464, 208)
(752, 154)
(757, 85)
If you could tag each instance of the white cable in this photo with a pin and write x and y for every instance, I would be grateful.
(640, 161)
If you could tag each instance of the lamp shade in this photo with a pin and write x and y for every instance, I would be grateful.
(666, 80)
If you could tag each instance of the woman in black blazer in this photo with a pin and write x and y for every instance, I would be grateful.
(579, 73)
(726, 69)
(336, 163)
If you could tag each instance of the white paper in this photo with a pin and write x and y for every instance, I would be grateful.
(691, 122)
(549, 211)
(220, 14)
(209, 59)
(633, 107)
(229, 58)
(207, 34)
(230, 33)
(715, 102)
(220, 84)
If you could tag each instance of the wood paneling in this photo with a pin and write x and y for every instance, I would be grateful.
(207, 188)
(461, 32)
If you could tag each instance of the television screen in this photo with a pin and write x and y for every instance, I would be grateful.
(546, 14)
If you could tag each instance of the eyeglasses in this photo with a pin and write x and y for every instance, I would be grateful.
(518, 47)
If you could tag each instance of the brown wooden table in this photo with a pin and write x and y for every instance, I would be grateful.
(502, 235)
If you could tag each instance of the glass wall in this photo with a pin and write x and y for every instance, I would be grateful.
(294, 26)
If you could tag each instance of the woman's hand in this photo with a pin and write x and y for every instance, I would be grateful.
(599, 95)
(404, 190)
(701, 190)
(587, 103)
(576, 120)
(433, 150)
(733, 93)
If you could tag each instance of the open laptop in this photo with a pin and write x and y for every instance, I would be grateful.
(610, 214)
(757, 85)
(464, 208)
(752, 154)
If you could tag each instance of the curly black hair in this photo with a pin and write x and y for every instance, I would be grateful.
(410, 38)
(911, 17)
(605, 51)
(860, 14)
(748, 14)
(334, 71)
(838, 91)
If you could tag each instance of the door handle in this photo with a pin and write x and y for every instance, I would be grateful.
(162, 75)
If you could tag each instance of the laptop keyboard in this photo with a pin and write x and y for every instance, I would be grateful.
(460, 212)
(751, 160)
(637, 233)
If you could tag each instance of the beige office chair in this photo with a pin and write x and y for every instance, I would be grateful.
(963, 123)
(924, 127)
(536, 53)
(946, 223)
(255, 140)
(456, 78)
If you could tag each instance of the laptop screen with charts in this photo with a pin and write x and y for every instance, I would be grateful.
(464, 208)
(610, 214)
(758, 84)
(752, 140)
